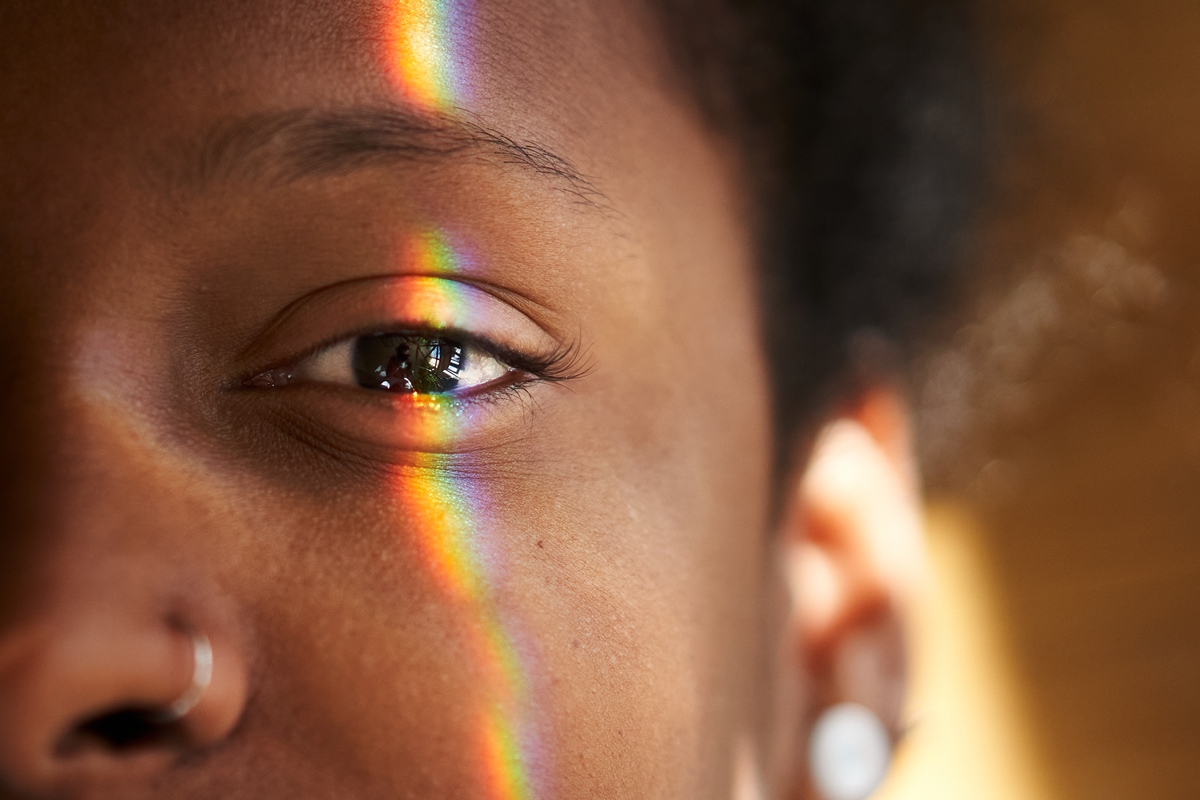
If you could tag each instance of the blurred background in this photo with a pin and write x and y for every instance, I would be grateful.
(1058, 656)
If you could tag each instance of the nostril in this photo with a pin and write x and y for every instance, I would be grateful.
(121, 731)
(97, 700)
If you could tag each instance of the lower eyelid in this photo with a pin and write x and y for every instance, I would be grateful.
(389, 428)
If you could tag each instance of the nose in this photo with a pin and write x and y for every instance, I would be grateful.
(110, 697)
(119, 653)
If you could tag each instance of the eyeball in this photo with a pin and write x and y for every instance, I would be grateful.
(401, 363)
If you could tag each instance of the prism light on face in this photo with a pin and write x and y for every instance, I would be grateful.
(429, 51)
(449, 514)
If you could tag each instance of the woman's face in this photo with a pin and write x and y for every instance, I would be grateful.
(516, 548)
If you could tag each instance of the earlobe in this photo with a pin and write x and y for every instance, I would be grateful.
(855, 559)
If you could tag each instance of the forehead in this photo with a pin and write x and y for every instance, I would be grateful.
(100, 101)
(112, 80)
(97, 97)
(350, 44)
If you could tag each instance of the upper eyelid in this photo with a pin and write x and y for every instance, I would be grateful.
(417, 303)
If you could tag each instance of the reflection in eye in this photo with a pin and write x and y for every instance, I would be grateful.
(402, 363)
(415, 364)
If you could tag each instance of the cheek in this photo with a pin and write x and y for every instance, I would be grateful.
(642, 572)
(641, 634)
(373, 654)
(575, 619)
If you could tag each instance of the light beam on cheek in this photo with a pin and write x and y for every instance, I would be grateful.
(448, 520)
(449, 515)
(429, 51)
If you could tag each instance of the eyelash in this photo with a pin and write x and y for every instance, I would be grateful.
(566, 363)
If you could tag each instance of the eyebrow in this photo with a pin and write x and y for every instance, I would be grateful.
(289, 146)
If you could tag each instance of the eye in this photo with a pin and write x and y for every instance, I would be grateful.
(401, 363)
(414, 364)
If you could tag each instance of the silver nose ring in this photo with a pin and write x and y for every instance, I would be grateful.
(202, 670)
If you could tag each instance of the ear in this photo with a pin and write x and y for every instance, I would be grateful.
(854, 552)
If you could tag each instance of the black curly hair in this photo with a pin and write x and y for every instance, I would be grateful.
(860, 125)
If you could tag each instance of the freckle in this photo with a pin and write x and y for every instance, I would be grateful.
(575, 644)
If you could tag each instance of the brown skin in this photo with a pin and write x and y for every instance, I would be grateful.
(148, 493)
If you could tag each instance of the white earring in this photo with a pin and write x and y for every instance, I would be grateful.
(849, 752)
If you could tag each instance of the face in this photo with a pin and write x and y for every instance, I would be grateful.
(404, 352)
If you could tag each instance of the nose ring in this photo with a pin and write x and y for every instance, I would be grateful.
(202, 670)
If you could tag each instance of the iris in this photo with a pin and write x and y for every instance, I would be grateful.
(408, 363)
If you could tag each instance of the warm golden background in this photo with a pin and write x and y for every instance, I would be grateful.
(1059, 653)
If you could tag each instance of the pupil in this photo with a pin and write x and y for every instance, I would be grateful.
(408, 363)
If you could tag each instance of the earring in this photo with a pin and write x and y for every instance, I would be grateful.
(849, 752)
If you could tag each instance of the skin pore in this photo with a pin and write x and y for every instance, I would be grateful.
(563, 582)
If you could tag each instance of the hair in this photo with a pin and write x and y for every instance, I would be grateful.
(859, 125)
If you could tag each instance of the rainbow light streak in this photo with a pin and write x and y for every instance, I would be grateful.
(448, 512)
(429, 51)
